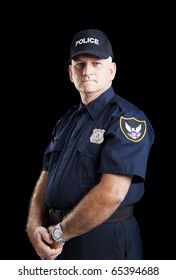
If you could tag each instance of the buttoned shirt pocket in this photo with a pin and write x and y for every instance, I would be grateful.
(52, 153)
(86, 162)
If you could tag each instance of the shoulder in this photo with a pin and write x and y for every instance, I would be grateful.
(127, 109)
(124, 105)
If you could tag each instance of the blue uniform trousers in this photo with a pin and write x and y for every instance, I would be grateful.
(110, 241)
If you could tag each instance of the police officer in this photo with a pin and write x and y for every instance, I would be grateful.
(94, 168)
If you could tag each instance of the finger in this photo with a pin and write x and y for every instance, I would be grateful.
(44, 258)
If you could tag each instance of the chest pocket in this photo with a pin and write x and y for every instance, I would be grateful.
(84, 165)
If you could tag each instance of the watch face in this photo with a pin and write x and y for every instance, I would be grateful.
(57, 233)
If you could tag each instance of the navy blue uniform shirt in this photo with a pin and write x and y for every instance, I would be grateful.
(109, 135)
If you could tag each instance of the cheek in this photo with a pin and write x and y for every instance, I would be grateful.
(75, 79)
(104, 77)
(76, 82)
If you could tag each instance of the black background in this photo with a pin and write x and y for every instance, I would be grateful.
(37, 91)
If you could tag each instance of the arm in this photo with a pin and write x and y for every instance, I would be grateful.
(38, 213)
(97, 206)
(37, 209)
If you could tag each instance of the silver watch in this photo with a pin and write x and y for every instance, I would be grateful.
(57, 234)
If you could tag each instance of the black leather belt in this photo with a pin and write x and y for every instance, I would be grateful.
(122, 213)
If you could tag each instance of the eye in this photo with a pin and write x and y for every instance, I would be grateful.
(97, 63)
(78, 65)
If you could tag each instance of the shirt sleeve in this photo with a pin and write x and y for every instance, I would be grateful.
(127, 145)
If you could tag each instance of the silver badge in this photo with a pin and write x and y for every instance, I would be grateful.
(97, 136)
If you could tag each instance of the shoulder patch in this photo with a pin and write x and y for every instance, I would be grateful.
(133, 129)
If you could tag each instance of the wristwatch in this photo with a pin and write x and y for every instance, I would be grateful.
(57, 234)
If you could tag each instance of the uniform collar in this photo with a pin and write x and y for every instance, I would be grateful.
(97, 106)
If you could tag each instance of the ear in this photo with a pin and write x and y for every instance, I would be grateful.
(113, 70)
(70, 72)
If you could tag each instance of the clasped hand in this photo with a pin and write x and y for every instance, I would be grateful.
(44, 245)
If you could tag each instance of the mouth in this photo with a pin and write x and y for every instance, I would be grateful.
(87, 81)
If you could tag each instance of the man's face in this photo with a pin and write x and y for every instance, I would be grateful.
(92, 75)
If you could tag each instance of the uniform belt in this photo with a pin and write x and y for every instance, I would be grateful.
(122, 213)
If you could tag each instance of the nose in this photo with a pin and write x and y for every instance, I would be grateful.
(87, 70)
